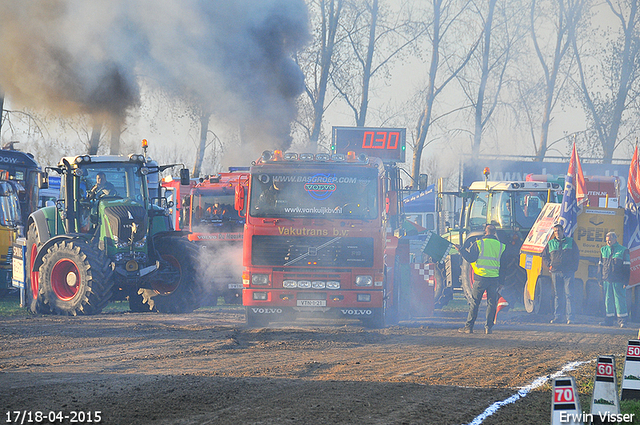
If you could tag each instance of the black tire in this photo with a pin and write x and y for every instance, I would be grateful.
(174, 288)
(72, 278)
(578, 297)
(255, 320)
(546, 295)
(513, 284)
(377, 321)
(137, 304)
(467, 280)
(594, 299)
(232, 298)
(33, 292)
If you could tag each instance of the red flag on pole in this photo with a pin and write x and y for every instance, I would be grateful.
(575, 169)
(575, 194)
(632, 219)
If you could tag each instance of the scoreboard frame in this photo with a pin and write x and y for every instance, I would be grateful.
(388, 144)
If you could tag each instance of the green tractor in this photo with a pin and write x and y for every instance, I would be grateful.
(104, 240)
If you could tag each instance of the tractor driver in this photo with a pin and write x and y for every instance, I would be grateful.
(102, 187)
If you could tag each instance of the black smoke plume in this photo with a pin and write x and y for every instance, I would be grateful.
(230, 57)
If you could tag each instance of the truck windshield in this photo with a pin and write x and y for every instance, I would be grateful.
(213, 211)
(122, 181)
(337, 194)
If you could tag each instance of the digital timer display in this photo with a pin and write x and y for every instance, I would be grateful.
(387, 144)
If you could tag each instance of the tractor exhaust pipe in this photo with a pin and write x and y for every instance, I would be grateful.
(69, 211)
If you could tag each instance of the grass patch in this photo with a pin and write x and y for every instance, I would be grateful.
(10, 306)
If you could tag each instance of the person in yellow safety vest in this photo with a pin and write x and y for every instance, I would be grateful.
(485, 256)
(613, 271)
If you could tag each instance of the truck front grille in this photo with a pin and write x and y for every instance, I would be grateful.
(313, 251)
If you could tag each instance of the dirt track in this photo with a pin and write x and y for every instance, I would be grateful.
(207, 368)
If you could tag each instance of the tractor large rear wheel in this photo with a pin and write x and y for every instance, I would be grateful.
(174, 288)
(72, 279)
(33, 293)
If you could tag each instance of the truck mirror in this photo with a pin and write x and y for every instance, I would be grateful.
(185, 179)
(43, 181)
(423, 181)
(239, 204)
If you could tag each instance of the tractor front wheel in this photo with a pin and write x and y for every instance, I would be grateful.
(174, 287)
(72, 279)
(33, 293)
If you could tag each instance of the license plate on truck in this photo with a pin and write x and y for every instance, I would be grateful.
(312, 303)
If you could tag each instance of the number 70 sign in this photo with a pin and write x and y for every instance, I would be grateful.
(564, 395)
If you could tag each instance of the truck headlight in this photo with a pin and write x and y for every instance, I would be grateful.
(261, 296)
(289, 284)
(260, 279)
(333, 284)
(304, 284)
(318, 284)
(364, 281)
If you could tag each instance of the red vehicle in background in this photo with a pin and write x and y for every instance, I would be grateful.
(180, 195)
(214, 222)
(314, 238)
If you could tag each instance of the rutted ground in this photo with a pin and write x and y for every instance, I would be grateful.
(207, 367)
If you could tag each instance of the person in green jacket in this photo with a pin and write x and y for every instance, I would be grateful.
(613, 270)
(561, 256)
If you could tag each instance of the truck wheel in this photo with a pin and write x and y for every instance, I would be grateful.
(532, 305)
(33, 295)
(72, 279)
(233, 298)
(376, 321)
(174, 288)
(593, 298)
(578, 297)
(255, 320)
(546, 294)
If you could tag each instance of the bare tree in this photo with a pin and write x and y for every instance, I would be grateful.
(484, 78)
(374, 37)
(205, 116)
(444, 66)
(316, 63)
(607, 104)
(558, 17)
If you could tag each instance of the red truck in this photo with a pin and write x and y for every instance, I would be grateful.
(180, 196)
(314, 237)
(214, 222)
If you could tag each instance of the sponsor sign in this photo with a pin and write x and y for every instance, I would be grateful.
(215, 236)
(542, 229)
